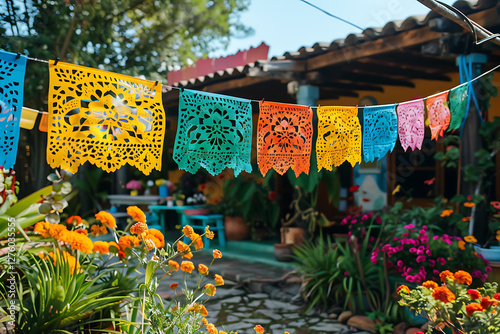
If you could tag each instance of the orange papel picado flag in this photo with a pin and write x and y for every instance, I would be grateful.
(438, 114)
(105, 118)
(339, 137)
(284, 138)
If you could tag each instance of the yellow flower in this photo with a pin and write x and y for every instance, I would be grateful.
(209, 234)
(182, 247)
(173, 265)
(470, 238)
(211, 329)
(139, 228)
(150, 245)
(198, 243)
(217, 254)
(188, 231)
(188, 255)
(106, 219)
(210, 289)
(203, 311)
(187, 266)
(203, 269)
(101, 247)
(446, 213)
(396, 190)
(218, 280)
(136, 214)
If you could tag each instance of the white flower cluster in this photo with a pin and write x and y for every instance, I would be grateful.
(196, 199)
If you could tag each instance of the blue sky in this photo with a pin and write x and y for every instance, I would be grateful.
(287, 25)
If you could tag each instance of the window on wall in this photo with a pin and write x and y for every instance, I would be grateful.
(415, 174)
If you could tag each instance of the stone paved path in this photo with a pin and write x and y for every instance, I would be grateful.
(256, 293)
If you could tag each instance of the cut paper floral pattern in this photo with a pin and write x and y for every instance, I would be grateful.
(458, 106)
(284, 138)
(214, 132)
(105, 118)
(380, 131)
(438, 114)
(411, 124)
(339, 137)
(12, 70)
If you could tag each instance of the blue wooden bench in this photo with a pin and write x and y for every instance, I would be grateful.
(216, 223)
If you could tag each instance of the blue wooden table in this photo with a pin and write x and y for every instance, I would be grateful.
(160, 210)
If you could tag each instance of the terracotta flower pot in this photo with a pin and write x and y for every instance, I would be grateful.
(235, 228)
(196, 211)
(293, 235)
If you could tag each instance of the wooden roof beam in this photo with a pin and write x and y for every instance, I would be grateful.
(393, 71)
(375, 79)
(317, 78)
(391, 43)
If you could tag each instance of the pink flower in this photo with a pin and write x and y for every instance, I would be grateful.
(364, 217)
(488, 269)
(413, 250)
(134, 184)
(399, 263)
(421, 258)
(410, 278)
(441, 261)
(435, 272)
(409, 226)
(432, 263)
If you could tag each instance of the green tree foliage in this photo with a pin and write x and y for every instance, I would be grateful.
(134, 37)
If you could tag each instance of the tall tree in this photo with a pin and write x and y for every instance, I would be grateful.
(133, 37)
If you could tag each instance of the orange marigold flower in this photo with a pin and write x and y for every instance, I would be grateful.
(128, 241)
(461, 244)
(217, 254)
(443, 294)
(474, 294)
(446, 213)
(446, 274)
(209, 234)
(463, 277)
(66, 257)
(106, 219)
(469, 204)
(470, 238)
(78, 241)
(139, 228)
(156, 236)
(210, 289)
(74, 220)
(188, 231)
(97, 229)
(204, 321)
(211, 329)
(198, 243)
(203, 269)
(173, 265)
(222, 332)
(187, 266)
(188, 255)
(182, 247)
(57, 231)
(218, 280)
(471, 308)
(136, 214)
(81, 231)
(487, 302)
(466, 219)
(259, 329)
(101, 247)
(430, 285)
(174, 286)
(42, 228)
(403, 288)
